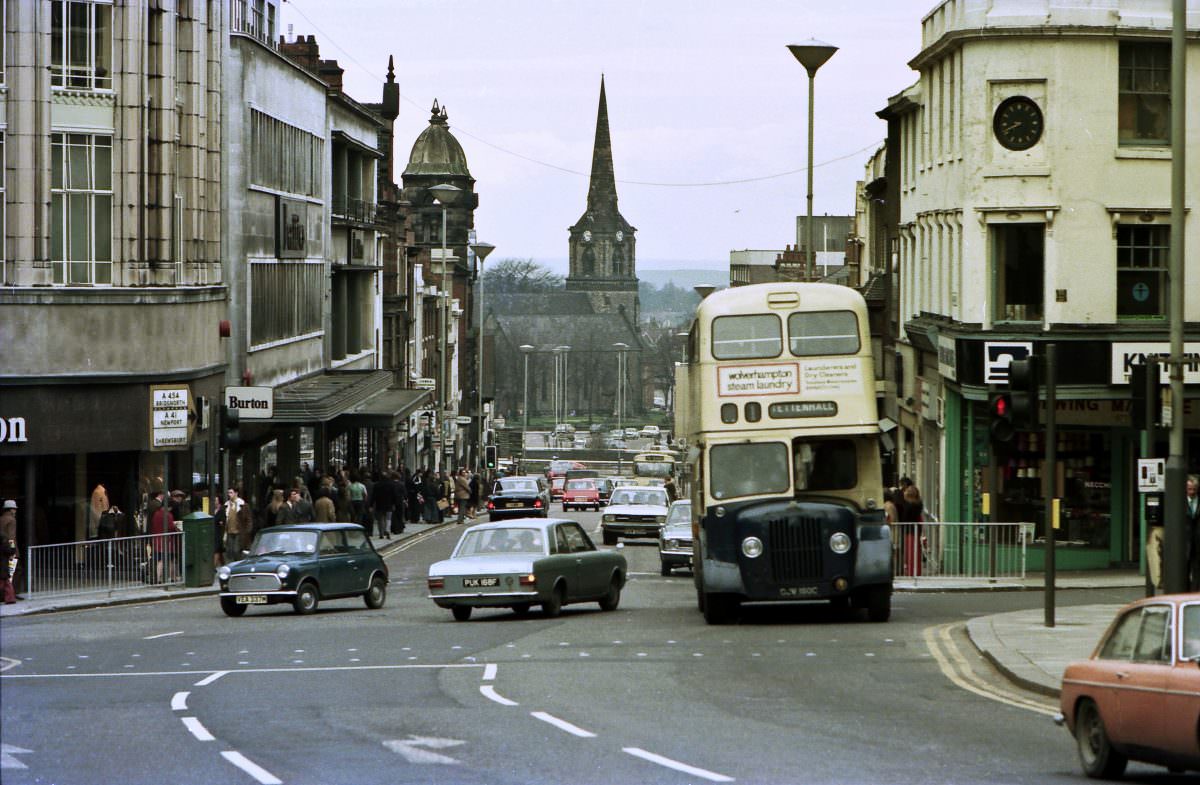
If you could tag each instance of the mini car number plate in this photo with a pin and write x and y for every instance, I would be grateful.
(478, 583)
(251, 599)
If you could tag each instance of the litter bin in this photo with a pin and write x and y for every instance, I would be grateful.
(198, 549)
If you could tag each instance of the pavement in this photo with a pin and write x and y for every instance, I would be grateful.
(1018, 643)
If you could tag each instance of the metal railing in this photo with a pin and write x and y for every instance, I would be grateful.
(105, 565)
(960, 551)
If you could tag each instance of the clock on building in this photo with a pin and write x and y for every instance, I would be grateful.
(620, 237)
(587, 235)
(1017, 123)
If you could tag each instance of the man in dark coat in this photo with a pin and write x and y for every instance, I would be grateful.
(383, 503)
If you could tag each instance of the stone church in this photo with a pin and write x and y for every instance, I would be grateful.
(595, 317)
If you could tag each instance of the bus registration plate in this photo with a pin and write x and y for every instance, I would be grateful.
(798, 591)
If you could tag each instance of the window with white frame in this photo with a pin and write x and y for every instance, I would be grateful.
(1144, 90)
(81, 44)
(1018, 254)
(1142, 253)
(81, 208)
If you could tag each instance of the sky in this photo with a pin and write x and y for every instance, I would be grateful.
(707, 108)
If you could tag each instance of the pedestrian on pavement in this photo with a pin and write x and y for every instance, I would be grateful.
(383, 504)
(462, 493)
(1192, 531)
(415, 502)
(912, 514)
(891, 512)
(323, 509)
(358, 499)
(8, 551)
(429, 491)
(399, 511)
(97, 507)
(239, 524)
(295, 509)
(163, 548)
(219, 512)
(473, 504)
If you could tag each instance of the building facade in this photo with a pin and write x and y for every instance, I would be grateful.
(1030, 206)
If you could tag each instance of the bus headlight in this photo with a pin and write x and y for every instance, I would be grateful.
(752, 547)
(839, 542)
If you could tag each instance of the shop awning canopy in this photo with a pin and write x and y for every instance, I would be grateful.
(325, 396)
(385, 409)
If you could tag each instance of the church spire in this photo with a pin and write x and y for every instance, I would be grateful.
(602, 192)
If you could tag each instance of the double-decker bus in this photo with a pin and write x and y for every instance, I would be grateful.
(783, 452)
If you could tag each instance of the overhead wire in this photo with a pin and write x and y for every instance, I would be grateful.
(567, 170)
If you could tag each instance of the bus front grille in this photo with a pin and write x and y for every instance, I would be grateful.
(795, 549)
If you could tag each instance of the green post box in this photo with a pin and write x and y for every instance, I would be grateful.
(198, 549)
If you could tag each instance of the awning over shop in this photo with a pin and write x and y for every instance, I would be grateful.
(385, 409)
(323, 397)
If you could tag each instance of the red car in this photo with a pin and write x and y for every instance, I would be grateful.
(556, 487)
(1138, 697)
(581, 494)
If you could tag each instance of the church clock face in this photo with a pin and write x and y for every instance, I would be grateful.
(620, 237)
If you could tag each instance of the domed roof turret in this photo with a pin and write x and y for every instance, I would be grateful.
(436, 151)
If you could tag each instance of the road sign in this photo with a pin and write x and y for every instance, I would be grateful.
(463, 420)
(425, 383)
(252, 403)
(170, 406)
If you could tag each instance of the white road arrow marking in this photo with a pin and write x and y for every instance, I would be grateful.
(7, 761)
(411, 749)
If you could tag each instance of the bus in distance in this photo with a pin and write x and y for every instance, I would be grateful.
(783, 453)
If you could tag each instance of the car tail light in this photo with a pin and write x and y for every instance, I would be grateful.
(528, 580)
(437, 583)
(537, 503)
(491, 505)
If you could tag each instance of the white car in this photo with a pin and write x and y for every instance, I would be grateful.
(650, 432)
(634, 511)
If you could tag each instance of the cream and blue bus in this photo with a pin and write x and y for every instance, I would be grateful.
(783, 451)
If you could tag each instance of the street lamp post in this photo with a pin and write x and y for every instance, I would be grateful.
(560, 383)
(620, 347)
(481, 251)
(812, 54)
(442, 195)
(525, 350)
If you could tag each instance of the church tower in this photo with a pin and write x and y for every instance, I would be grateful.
(602, 246)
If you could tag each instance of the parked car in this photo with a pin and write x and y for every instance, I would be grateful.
(521, 563)
(634, 511)
(304, 564)
(675, 539)
(581, 494)
(1138, 696)
(517, 497)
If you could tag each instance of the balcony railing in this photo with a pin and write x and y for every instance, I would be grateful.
(250, 18)
(358, 210)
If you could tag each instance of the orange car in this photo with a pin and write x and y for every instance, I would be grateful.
(1138, 697)
(580, 494)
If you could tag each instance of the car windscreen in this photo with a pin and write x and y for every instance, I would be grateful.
(661, 469)
(581, 485)
(279, 543)
(825, 464)
(507, 540)
(652, 496)
(680, 513)
(516, 486)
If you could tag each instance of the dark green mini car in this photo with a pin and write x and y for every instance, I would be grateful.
(303, 564)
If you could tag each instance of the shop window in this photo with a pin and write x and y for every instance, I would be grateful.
(1144, 94)
(1018, 253)
(1142, 253)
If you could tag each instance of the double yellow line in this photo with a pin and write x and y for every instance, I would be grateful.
(954, 665)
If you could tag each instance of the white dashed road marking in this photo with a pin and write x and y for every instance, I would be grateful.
(489, 692)
(263, 776)
(179, 701)
(712, 776)
(574, 730)
(210, 679)
(198, 730)
(489, 671)
(162, 635)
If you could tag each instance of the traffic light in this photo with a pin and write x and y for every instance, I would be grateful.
(230, 436)
(1146, 394)
(489, 456)
(1000, 413)
(1023, 378)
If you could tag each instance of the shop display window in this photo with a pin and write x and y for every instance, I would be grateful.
(1084, 485)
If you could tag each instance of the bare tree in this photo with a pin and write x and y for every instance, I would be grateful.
(520, 276)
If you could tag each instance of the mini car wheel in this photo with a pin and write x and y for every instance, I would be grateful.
(521, 609)
(307, 598)
(1096, 752)
(231, 607)
(376, 594)
(610, 601)
(461, 612)
(552, 607)
(609, 538)
(666, 569)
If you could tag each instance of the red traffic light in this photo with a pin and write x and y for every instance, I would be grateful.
(1000, 409)
(1001, 405)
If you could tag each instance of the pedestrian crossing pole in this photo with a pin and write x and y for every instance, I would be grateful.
(1050, 478)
